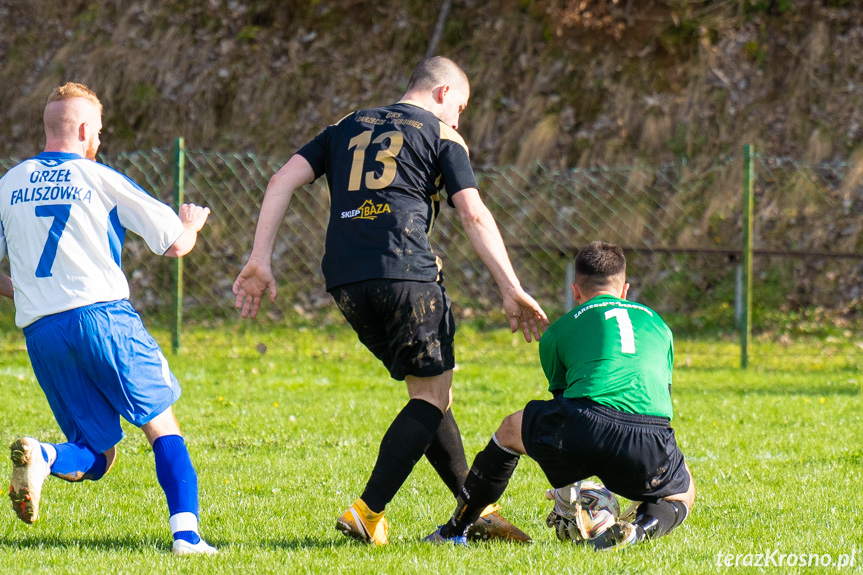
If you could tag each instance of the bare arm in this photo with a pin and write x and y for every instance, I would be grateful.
(6, 289)
(256, 276)
(193, 218)
(481, 229)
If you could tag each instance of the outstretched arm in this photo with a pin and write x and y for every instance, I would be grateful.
(481, 229)
(256, 276)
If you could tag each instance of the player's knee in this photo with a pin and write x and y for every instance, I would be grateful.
(509, 433)
(434, 390)
(507, 426)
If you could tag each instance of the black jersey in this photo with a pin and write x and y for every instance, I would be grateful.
(385, 168)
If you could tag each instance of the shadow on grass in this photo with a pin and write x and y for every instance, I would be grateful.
(311, 543)
(120, 543)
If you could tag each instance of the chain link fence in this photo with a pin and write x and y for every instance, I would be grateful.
(680, 227)
(664, 217)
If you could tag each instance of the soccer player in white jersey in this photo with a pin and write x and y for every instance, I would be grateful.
(63, 218)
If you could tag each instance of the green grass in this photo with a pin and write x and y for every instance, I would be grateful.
(284, 440)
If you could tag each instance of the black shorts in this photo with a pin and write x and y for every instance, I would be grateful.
(408, 325)
(635, 456)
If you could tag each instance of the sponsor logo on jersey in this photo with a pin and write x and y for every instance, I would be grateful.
(50, 193)
(51, 176)
(629, 305)
(368, 210)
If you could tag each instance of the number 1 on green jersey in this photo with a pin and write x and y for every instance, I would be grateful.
(627, 336)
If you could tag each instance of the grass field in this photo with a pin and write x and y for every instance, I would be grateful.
(284, 440)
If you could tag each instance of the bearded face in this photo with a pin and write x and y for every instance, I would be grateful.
(92, 128)
(92, 147)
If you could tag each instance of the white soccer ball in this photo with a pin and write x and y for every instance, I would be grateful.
(582, 511)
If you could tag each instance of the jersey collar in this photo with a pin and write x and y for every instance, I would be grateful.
(63, 156)
(601, 297)
(413, 103)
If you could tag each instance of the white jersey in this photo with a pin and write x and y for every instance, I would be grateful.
(63, 220)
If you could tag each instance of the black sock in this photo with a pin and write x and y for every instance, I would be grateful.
(446, 454)
(404, 443)
(484, 485)
(656, 519)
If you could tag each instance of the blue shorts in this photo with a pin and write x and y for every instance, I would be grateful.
(96, 363)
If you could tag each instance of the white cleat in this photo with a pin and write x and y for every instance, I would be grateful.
(182, 547)
(29, 471)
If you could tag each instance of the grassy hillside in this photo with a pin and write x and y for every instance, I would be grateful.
(609, 83)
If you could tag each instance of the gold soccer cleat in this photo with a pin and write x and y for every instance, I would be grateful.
(363, 524)
(492, 525)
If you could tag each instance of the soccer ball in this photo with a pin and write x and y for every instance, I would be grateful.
(582, 511)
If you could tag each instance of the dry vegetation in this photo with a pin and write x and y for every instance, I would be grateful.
(567, 82)
(629, 84)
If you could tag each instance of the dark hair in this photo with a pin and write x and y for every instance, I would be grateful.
(598, 264)
(437, 70)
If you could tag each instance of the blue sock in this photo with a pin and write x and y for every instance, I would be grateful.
(180, 483)
(77, 462)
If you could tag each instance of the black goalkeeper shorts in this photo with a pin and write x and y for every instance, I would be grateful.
(408, 325)
(635, 456)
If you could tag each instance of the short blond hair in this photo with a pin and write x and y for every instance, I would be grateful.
(71, 90)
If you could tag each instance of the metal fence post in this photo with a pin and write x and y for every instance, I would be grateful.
(569, 279)
(177, 275)
(746, 300)
(738, 295)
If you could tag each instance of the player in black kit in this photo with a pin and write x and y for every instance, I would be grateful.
(386, 168)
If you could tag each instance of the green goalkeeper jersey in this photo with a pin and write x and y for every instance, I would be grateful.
(614, 352)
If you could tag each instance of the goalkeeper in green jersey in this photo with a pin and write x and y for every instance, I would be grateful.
(608, 363)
